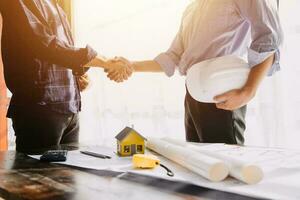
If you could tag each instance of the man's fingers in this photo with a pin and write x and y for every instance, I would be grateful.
(118, 79)
(115, 72)
(223, 97)
(223, 106)
(116, 76)
(124, 77)
(226, 106)
(129, 71)
(83, 82)
(83, 79)
(124, 61)
(119, 70)
(113, 77)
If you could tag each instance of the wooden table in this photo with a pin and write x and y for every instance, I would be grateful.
(22, 177)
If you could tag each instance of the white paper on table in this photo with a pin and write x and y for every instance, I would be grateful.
(77, 159)
(282, 179)
(243, 170)
(268, 158)
(278, 184)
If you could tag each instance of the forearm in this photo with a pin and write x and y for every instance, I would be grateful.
(99, 61)
(257, 74)
(147, 66)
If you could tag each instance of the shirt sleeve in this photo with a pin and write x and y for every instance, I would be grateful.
(266, 31)
(170, 59)
(46, 45)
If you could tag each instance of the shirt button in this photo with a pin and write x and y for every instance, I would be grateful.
(42, 103)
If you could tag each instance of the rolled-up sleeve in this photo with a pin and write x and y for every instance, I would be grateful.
(170, 59)
(266, 31)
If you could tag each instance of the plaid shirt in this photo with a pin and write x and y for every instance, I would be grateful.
(40, 61)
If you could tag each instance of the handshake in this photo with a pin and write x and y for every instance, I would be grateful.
(119, 69)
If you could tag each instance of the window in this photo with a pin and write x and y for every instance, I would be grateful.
(139, 148)
(126, 149)
(148, 101)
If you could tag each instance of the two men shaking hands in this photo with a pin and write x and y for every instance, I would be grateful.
(43, 68)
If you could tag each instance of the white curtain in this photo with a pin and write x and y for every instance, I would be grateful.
(153, 103)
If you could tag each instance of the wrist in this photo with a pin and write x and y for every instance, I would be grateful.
(96, 62)
(249, 91)
(101, 61)
(135, 66)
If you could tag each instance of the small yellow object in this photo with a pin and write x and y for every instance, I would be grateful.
(145, 161)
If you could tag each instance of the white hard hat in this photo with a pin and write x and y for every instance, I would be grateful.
(210, 78)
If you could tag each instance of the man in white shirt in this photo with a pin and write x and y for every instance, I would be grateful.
(215, 28)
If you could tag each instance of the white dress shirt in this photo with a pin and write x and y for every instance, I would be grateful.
(214, 28)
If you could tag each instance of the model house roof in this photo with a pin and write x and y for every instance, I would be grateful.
(124, 133)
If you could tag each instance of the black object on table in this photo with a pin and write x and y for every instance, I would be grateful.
(97, 155)
(54, 156)
(22, 177)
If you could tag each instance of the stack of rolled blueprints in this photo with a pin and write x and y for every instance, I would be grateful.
(211, 165)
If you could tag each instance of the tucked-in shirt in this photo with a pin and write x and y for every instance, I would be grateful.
(41, 64)
(214, 28)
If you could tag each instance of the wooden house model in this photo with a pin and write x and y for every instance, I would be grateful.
(130, 142)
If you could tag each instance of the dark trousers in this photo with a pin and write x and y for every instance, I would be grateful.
(206, 123)
(39, 129)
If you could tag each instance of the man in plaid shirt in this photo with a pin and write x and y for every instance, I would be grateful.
(44, 71)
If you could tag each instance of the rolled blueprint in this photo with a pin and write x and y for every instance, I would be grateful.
(211, 168)
(243, 171)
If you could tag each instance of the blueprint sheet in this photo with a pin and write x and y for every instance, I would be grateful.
(281, 168)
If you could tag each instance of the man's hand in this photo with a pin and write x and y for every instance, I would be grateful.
(83, 82)
(120, 69)
(234, 99)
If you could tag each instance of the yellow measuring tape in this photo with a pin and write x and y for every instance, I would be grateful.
(142, 161)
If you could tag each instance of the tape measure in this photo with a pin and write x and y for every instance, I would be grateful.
(142, 161)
